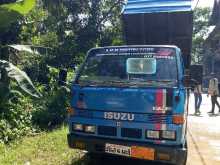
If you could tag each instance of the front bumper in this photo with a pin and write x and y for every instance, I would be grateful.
(177, 154)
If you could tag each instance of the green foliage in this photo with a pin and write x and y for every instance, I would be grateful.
(7, 18)
(51, 110)
(15, 109)
(23, 7)
(21, 77)
(70, 29)
(15, 120)
(201, 29)
(12, 12)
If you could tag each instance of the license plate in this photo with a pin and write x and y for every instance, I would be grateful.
(134, 151)
(118, 149)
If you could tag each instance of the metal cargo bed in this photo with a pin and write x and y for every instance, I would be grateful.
(159, 22)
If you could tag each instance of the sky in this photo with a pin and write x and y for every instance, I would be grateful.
(204, 3)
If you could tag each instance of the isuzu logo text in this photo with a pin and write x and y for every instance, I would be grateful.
(119, 116)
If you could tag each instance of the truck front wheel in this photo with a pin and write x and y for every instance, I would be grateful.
(182, 156)
(95, 158)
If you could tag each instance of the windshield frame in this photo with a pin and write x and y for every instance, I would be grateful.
(90, 54)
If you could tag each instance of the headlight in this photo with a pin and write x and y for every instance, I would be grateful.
(78, 127)
(90, 129)
(153, 134)
(169, 135)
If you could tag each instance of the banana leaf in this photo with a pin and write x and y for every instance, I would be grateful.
(20, 77)
(12, 12)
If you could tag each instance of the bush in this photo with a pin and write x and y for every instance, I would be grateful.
(22, 115)
(51, 110)
(15, 120)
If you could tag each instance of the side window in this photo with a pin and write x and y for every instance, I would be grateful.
(181, 70)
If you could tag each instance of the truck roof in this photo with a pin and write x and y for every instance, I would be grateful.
(154, 6)
(137, 46)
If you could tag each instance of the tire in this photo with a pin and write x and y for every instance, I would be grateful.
(184, 160)
(95, 158)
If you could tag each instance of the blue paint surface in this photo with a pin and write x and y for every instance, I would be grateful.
(155, 6)
(139, 101)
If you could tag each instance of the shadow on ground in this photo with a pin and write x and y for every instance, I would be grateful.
(112, 160)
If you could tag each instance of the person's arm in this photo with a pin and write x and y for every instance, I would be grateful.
(200, 89)
(209, 89)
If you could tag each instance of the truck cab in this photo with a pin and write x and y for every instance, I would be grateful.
(130, 100)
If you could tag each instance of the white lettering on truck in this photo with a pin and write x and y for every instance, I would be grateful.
(119, 116)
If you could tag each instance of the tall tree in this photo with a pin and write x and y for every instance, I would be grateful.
(81, 25)
(201, 30)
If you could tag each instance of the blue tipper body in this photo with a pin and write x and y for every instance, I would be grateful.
(156, 6)
(136, 114)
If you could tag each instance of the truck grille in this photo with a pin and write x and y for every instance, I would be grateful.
(158, 118)
(107, 131)
(131, 133)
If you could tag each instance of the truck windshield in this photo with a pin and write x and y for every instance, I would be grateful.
(131, 68)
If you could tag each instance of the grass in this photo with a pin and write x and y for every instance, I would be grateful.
(44, 149)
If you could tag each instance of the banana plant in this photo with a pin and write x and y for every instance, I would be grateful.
(13, 72)
(12, 11)
(20, 77)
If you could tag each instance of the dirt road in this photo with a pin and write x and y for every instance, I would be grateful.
(204, 135)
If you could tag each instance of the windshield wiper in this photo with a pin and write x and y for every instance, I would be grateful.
(102, 82)
(133, 82)
(137, 79)
(164, 81)
(149, 82)
(167, 82)
(120, 83)
(88, 83)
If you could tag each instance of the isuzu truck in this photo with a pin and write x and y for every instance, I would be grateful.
(131, 100)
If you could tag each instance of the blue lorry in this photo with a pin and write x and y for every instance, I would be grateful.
(132, 100)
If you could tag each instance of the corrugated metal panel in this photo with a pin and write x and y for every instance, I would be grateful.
(155, 6)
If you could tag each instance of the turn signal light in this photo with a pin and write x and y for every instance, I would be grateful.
(70, 111)
(178, 119)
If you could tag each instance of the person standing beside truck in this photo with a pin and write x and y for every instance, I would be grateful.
(214, 92)
(198, 97)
